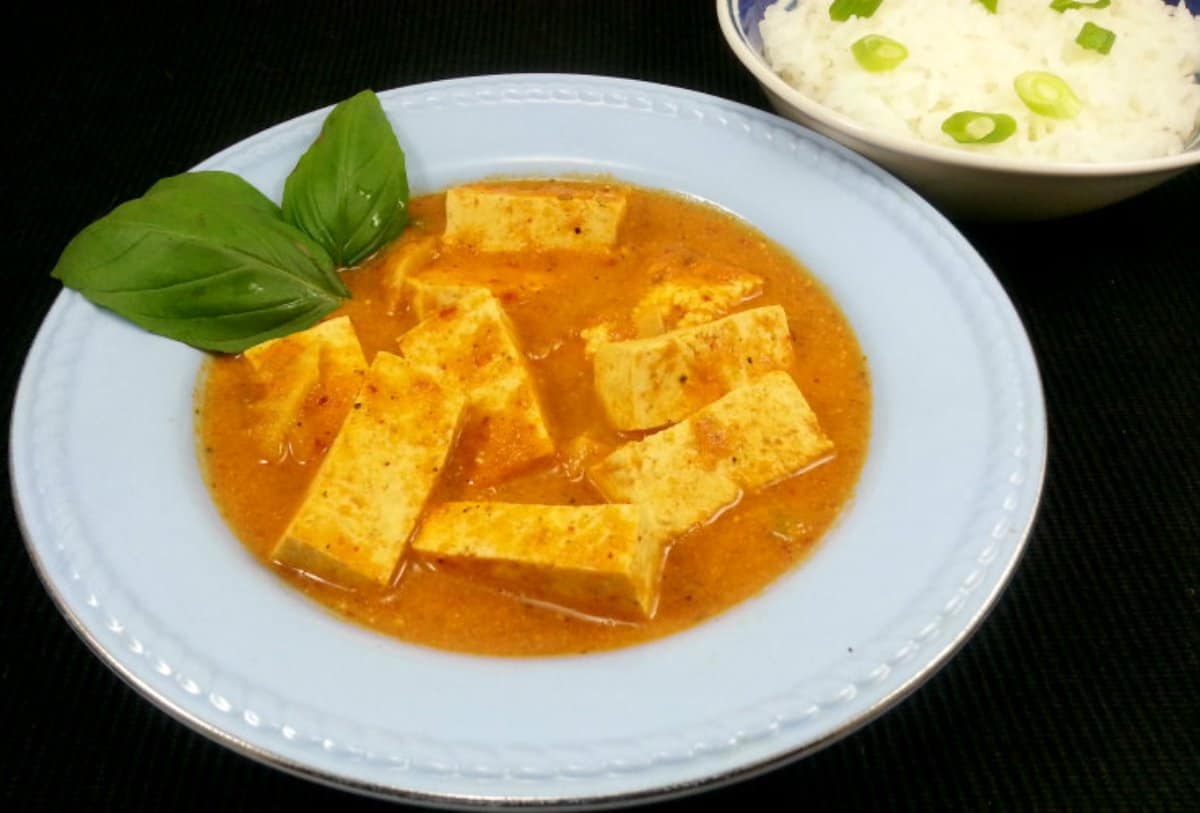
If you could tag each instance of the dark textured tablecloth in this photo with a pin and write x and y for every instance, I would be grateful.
(1079, 692)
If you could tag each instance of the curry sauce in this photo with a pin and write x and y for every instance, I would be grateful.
(551, 296)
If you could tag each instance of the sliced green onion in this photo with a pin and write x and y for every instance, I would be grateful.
(1062, 5)
(877, 53)
(1095, 38)
(990, 5)
(971, 127)
(842, 10)
(1047, 94)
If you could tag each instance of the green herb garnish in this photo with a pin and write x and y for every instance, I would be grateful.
(204, 258)
(1063, 5)
(971, 127)
(349, 191)
(842, 10)
(990, 5)
(1047, 94)
(877, 53)
(1095, 38)
(207, 259)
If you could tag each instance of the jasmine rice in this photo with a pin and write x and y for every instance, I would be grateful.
(1139, 100)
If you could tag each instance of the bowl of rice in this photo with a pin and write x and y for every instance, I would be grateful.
(993, 109)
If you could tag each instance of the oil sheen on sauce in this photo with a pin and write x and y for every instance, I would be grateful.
(550, 297)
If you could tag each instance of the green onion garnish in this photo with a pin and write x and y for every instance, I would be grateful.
(842, 10)
(877, 53)
(1062, 5)
(1047, 94)
(990, 5)
(970, 127)
(1095, 38)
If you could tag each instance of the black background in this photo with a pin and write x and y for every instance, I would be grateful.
(1079, 692)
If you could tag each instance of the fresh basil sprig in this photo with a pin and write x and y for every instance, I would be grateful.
(204, 258)
(349, 191)
(207, 259)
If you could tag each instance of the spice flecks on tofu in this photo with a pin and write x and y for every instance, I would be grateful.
(430, 296)
(676, 302)
(685, 475)
(688, 298)
(472, 344)
(363, 502)
(589, 558)
(323, 362)
(507, 217)
(648, 383)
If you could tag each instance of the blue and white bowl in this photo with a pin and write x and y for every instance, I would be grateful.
(965, 184)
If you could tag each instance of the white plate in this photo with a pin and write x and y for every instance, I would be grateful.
(129, 544)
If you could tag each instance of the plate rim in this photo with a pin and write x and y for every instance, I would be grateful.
(944, 651)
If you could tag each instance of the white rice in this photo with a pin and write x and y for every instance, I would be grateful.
(1141, 100)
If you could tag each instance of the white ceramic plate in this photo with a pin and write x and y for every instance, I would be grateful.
(128, 542)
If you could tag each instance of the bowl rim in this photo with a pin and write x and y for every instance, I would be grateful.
(912, 147)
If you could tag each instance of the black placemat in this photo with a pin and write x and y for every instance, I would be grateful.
(1079, 692)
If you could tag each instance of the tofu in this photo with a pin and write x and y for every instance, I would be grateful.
(431, 296)
(686, 475)
(438, 289)
(678, 302)
(687, 302)
(588, 558)
(323, 365)
(356, 517)
(647, 383)
(514, 217)
(595, 335)
(402, 262)
(472, 345)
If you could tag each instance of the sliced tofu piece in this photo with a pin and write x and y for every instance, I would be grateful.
(513, 217)
(437, 289)
(323, 365)
(647, 383)
(472, 344)
(596, 335)
(287, 381)
(431, 296)
(588, 558)
(681, 301)
(685, 475)
(402, 263)
(687, 301)
(363, 502)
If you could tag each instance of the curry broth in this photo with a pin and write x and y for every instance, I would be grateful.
(549, 297)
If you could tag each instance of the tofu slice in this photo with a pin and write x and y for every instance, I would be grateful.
(678, 302)
(431, 296)
(514, 217)
(363, 502)
(603, 333)
(402, 263)
(473, 346)
(588, 558)
(323, 365)
(689, 301)
(685, 475)
(647, 383)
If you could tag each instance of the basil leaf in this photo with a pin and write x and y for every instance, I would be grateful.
(204, 258)
(349, 191)
(220, 185)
